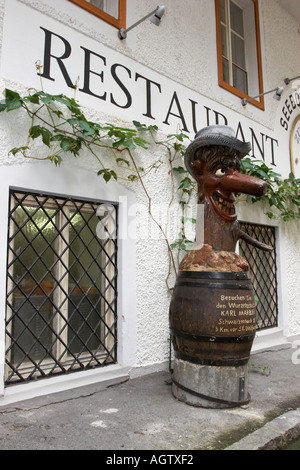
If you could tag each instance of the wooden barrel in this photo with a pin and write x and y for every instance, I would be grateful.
(213, 317)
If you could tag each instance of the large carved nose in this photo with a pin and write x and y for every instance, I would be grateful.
(238, 183)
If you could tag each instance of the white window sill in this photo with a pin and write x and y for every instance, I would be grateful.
(16, 393)
(270, 338)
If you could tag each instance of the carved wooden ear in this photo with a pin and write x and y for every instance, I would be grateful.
(197, 169)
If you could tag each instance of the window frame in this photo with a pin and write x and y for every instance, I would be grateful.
(263, 268)
(259, 103)
(119, 22)
(61, 357)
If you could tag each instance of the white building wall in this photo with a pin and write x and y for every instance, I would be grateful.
(180, 55)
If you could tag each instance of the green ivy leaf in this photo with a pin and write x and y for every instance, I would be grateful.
(180, 170)
(68, 144)
(132, 178)
(138, 124)
(122, 160)
(178, 147)
(173, 245)
(37, 131)
(47, 99)
(183, 244)
(56, 159)
(141, 142)
(144, 127)
(107, 174)
(124, 143)
(15, 150)
(73, 121)
(57, 137)
(58, 113)
(33, 98)
(179, 136)
(188, 219)
(185, 183)
(12, 100)
(87, 129)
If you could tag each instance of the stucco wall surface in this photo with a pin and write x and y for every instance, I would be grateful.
(183, 49)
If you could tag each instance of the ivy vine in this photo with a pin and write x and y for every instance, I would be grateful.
(283, 194)
(59, 122)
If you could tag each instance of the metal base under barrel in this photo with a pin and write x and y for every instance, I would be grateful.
(210, 386)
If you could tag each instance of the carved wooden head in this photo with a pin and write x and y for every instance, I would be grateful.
(216, 170)
(214, 161)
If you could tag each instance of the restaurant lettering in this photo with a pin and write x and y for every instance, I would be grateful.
(290, 105)
(113, 84)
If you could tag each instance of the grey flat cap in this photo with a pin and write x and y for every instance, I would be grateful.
(215, 135)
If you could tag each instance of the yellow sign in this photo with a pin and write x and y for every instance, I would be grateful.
(295, 147)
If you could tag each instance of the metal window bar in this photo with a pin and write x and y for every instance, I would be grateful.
(61, 313)
(264, 273)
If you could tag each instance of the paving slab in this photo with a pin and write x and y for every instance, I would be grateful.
(142, 414)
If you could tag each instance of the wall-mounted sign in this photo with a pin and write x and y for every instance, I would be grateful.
(295, 147)
(118, 86)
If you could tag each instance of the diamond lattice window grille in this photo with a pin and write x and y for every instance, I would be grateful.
(61, 313)
(264, 273)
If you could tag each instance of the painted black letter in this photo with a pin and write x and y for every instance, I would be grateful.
(148, 94)
(194, 115)
(121, 85)
(48, 55)
(180, 115)
(217, 114)
(272, 148)
(260, 148)
(88, 71)
(240, 130)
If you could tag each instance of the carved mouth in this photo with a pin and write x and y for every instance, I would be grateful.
(226, 207)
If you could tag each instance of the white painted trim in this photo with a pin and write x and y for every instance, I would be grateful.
(269, 338)
(282, 298)
(247, 213)
(61, 383)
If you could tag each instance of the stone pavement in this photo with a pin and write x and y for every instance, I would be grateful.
(142, 414)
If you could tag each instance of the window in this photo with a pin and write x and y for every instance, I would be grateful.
(264, 273)
(111, 11)
(61, 287)
(238, 48)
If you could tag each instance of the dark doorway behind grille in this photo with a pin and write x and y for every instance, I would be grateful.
(61, 311)
(263, 270)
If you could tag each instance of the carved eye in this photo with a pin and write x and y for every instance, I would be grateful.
(220, 172)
